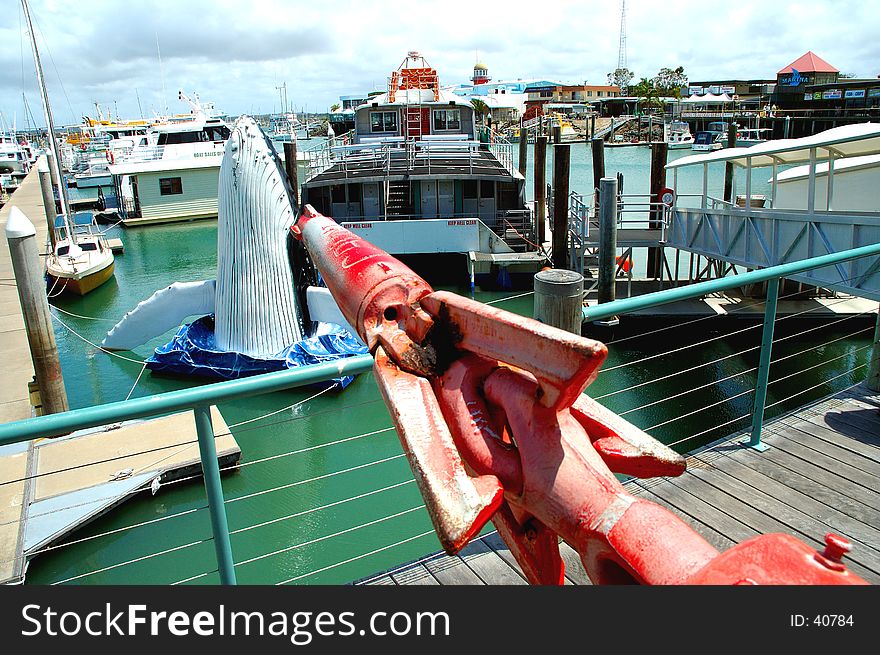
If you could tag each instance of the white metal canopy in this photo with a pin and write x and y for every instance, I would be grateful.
(845, 141)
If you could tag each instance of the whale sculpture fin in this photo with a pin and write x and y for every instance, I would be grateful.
(164, 310)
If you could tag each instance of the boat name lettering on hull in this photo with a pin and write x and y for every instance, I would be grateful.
(359, 226)
(467, 222)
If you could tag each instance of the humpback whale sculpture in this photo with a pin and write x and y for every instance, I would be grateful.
(257, 322)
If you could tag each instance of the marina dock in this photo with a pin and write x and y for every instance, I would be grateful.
(818, 476)
(50, 487)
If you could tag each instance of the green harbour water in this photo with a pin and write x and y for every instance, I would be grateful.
(324, 495)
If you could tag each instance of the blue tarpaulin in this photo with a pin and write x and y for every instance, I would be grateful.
(193, 353)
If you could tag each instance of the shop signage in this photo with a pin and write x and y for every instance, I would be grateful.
(835, 94)
(854, 93)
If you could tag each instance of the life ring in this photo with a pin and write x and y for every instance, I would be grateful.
(666, 196)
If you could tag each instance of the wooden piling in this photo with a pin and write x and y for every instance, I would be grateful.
(592, 126)
(523, 151)
(28, 271)
(557, 134)
(607, 238)
(559, 299)
(659, 152)
(290, 167)
(48, 197)
(728, 167)
(541, 186)
(598, 146)
(561, 169)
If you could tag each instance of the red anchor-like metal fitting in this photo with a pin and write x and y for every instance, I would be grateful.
(489, 408)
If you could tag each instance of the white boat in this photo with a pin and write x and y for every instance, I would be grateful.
(706, 142)
(14, 156)
(677, 135)
(746, 137)
(173, 177)
(81, 260)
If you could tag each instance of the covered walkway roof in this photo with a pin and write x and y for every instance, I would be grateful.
(845, 141)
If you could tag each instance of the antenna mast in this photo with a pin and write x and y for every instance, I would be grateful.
(621, 50)
(54, 161)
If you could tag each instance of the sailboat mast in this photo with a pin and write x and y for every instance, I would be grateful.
(50, 125)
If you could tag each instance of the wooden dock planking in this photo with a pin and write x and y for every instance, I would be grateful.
(817, 477)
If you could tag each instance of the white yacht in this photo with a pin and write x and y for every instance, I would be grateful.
(677, 135)
(81, 259)
(15, 156)
(174, 176)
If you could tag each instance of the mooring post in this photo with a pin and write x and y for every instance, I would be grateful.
(764, 364)
(659, 152)
(787, 129)
(561, 168)
(27, 268)
(541, 186)
(523, 151)
(607, 238)
(592, 126)
(214, 490)
(873, 379)
(290, 167)
(557, 133)
(48, 197)
(559, 299)
(598, 147)
(728, 167)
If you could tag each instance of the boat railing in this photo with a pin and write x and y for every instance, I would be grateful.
(398, 156)
(740, 380)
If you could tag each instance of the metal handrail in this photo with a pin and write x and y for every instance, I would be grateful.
(198, 400)
(773, 275)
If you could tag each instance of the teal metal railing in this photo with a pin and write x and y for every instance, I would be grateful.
(199, 399)
(772, 275)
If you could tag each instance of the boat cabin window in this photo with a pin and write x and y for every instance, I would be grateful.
(469, 189)
(487, 189)
(176, 138)
(88, 246)
(703, 138)
(383, 121)
(217, 132)
(170, 186)
(337, 193)
(62, 250)
(447, 119)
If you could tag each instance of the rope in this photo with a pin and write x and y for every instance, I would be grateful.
(137, 379)
(94, 345)
(521, 295)
(88, 318)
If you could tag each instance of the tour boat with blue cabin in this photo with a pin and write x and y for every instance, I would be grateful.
(418, 177)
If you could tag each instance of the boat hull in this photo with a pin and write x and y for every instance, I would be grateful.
(80, 286)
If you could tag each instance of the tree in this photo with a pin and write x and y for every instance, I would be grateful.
(334, 107)
(647, 93)
(480, 107)
(669, 81)
(621, 77)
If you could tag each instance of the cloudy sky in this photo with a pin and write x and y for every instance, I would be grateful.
(236, 53)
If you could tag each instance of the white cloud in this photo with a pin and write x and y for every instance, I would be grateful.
(236, 54)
